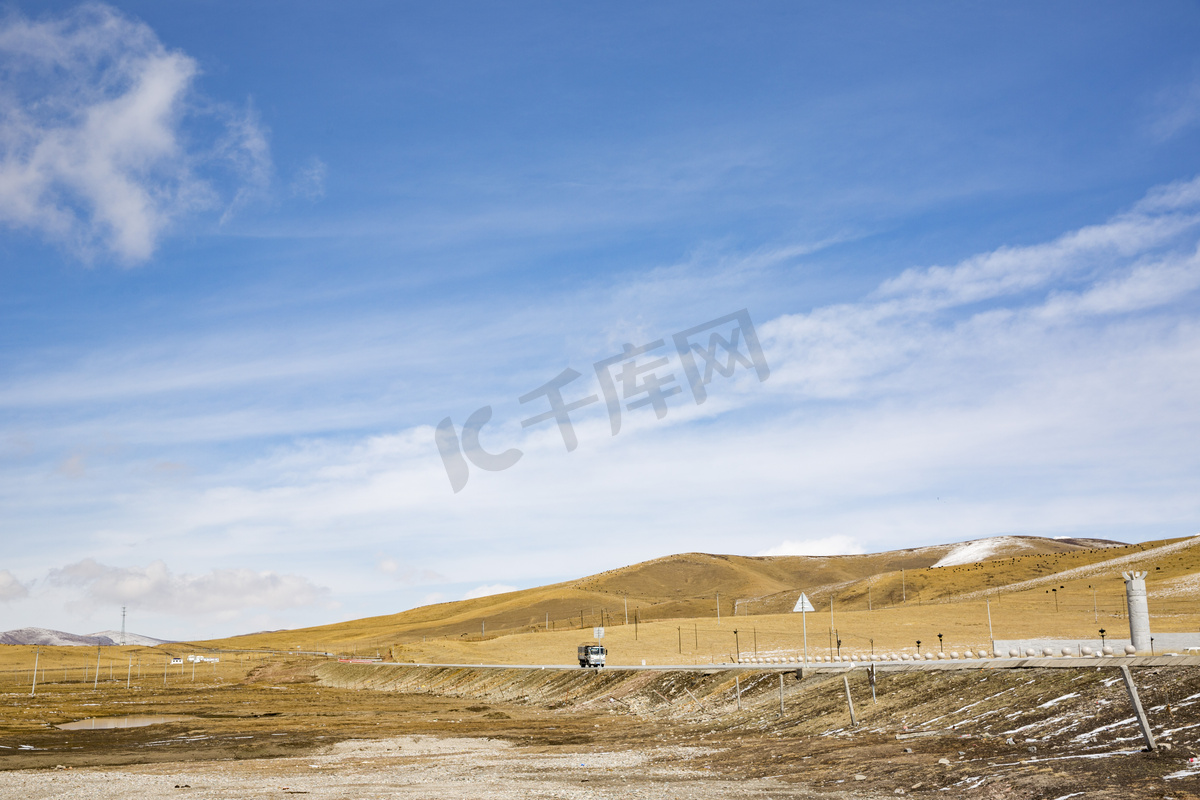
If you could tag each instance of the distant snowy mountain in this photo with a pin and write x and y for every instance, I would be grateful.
(49, 638)
(130, 638)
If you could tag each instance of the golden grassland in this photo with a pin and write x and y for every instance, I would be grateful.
(882, 602)
(75, 669)
(963, 625)
(1039, 588)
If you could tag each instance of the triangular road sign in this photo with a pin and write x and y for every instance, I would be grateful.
(804, 604)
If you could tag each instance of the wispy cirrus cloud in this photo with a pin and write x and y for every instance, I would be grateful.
(309, 180)
(1014, 306)
(1041, 389)
(96, 154)
(1178, 108)
(1158, 220)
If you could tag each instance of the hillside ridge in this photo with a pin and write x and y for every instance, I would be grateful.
(698, 585)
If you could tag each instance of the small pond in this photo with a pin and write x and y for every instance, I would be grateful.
(133, 721)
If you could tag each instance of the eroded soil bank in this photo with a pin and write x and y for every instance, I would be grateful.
(348, 730)
(976, 732)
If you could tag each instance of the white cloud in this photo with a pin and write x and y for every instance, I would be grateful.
(1012, 270)
(309, 180)
(826, 546)
(1178, 109)
(11, 588)
(1063, 406)
(994, 308)
(156, 588)
(245, 147)
(487, 591)
(93, 151)
(409, 576)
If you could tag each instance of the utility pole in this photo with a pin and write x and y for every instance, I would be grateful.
(626, 609)
(718, 609)
(122, 626)
(903, 588)
(679, 632)
(1095, 608)
(991, 636)
(738, 644)
(849, 700)
(37, 655)
(804, 622)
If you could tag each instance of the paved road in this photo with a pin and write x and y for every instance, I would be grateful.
(890, 666)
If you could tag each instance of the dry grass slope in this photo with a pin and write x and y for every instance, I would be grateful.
(882, 599)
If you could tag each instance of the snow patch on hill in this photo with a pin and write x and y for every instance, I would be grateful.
(982, 550)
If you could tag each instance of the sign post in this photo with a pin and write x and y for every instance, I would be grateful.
(804, 605)
(597, 633)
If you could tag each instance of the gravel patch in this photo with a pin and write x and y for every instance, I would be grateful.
(406, 767)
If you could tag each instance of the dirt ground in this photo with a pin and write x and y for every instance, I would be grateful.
(411, 767)
(359, 731)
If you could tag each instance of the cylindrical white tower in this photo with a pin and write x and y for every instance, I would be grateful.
(1139, 611)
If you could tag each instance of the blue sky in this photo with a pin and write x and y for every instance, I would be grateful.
(252, 254)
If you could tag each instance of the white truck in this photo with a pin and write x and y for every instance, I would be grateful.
(591, 655)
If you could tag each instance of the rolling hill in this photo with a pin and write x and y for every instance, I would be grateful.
(687, 587)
